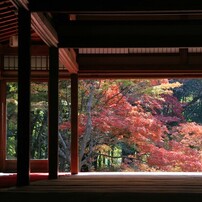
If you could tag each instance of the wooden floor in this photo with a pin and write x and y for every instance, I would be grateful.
(111, 187)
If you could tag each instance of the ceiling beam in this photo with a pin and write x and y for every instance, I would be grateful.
(68, 59)
(139, 16)
(163, 33)
(115, 6)
(44, 29)
(139, 75)
(140, 64)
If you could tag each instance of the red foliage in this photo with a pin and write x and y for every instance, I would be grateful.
(188, 134)
(81, 127)
(147, 123)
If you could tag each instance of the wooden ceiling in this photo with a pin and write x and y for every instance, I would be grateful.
(110, 23)
(114, 36)
(8, 20)
(9, 23)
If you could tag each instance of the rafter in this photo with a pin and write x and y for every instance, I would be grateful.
(8, 25)
(8, 32)
(6, 37)
(4, 22)
(12, 16)
(13, 27)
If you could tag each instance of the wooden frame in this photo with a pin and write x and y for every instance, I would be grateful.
(7, 165)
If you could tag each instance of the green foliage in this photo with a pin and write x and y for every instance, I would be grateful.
(11, 147)
(39, 110)
(11, 111)
(191, 98)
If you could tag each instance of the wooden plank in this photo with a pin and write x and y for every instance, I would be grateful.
(118, 183)
(23, 122)
(53, 112)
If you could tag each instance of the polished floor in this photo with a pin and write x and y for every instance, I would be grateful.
(112, 187)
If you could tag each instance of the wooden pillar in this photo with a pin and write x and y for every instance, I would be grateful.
(2, 147)
(2, 125)
(2, 117)
(53, 112)
(2, 136)
(74, 125)
(24, 70)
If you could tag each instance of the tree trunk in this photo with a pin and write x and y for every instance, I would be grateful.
(87, 134)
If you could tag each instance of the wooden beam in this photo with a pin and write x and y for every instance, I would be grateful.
(44, 29)
(23, 122)
(74, 125)
(134, 65)
(36, 50)
(68, 59)
(47, 33)
(6, 21)
(182, 61)
(53, 113)
(14, 24)
(35, 75)
(168, 33)
(139, 16)
(139, 75)
(7, 33)
(114, 6)
(2, 125)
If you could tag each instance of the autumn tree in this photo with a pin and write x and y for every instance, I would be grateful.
(124, 125)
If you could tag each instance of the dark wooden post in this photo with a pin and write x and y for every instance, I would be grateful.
(24, 70)
(74, 125)
(53, 112)
(2, 125)
(2, 147)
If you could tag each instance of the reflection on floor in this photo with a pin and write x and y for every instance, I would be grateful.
(119, 187)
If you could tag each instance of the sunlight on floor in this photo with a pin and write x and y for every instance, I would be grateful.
(142, 173)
